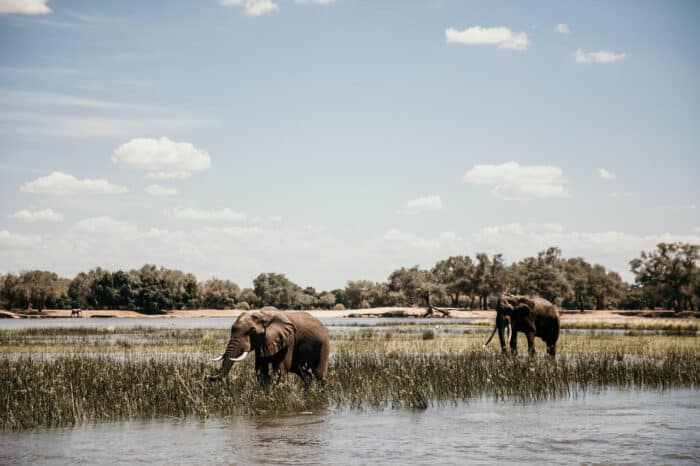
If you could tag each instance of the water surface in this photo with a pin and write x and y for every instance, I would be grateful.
(618, 427)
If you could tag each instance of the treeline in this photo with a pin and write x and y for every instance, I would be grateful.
(667, 277)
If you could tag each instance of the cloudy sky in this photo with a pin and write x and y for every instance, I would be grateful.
(335, 140)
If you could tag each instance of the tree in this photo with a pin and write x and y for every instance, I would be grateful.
(606, 288)
(419, 286)
(3, 299)
(327, 300)
(248, 295)
(456, 274)
(40, 288)
(275, 289)
(668, 276)
(358, 292)
(578, 272)
(543, 276)
(161, 289)
(489, 278)
(219, 294)
(305, 301)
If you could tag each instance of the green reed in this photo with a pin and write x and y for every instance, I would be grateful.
(57, 378)
(70, 390)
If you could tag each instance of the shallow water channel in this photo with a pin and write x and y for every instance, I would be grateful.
(610, 427)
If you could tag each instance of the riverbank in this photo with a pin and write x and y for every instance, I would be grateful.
(575, 317)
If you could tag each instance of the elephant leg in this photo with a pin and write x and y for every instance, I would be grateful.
(281, 371)
(305, 373)
(530, 343)
(262, 370)
(514, 341)
(321, 369)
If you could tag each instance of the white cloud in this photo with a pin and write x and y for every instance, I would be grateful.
(562, 28)
(614, 249)
(308, 254)
(315, 228)
(13, 241)
(500, 36)
(602, 56)
(24, 7)
(70, 116)
(515, 182)
(63, 184)
(26, 98)
(315, 2)
(409, 244)
(253, 7)
(214, 215)
(173, 175)
(238, 252)
(36, 123)
(158, 190)
(620, 194)
(422, 204)
(31, 216)
(165, 158)
(103, 224)
(680, 206)
(605, 174)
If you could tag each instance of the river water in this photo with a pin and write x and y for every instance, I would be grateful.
(214, 322)
(610, 427)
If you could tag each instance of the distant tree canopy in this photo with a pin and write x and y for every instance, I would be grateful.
(666, 277)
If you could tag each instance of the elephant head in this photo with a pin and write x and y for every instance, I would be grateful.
(266, 333)
(510, 309)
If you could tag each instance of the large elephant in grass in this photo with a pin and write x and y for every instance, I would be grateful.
(292, 341)
(535, 317)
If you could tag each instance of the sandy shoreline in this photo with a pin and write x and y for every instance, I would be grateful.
(592, 316)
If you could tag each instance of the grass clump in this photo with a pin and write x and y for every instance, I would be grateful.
(70, 390)
(63, 378)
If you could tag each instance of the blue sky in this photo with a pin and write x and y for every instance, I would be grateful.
(336, 140)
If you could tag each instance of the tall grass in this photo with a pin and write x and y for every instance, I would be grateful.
(63, 378)
(69, 390)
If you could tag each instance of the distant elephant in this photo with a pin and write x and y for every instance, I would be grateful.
(292, 341)
(535, 317)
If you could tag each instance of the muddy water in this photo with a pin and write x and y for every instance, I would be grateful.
(612, 427)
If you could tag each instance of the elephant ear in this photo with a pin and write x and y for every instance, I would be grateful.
(525, 305)
(279, 332)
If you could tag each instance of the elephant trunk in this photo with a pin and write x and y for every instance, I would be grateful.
(233, 354)
(491, 337)
(504, 332)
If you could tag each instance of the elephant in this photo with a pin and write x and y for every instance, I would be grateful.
(534, 316)
(290, 341)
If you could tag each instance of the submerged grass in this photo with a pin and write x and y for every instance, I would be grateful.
(70, 390)
(59, 379)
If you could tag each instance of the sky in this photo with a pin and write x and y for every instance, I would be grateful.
(341, 140)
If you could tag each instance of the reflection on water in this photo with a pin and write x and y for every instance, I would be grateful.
(334, 324)
(635, 427)
(212, 322)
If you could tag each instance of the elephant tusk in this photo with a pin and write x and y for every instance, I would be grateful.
(491, 337)
(219, 358)
(239, 358)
